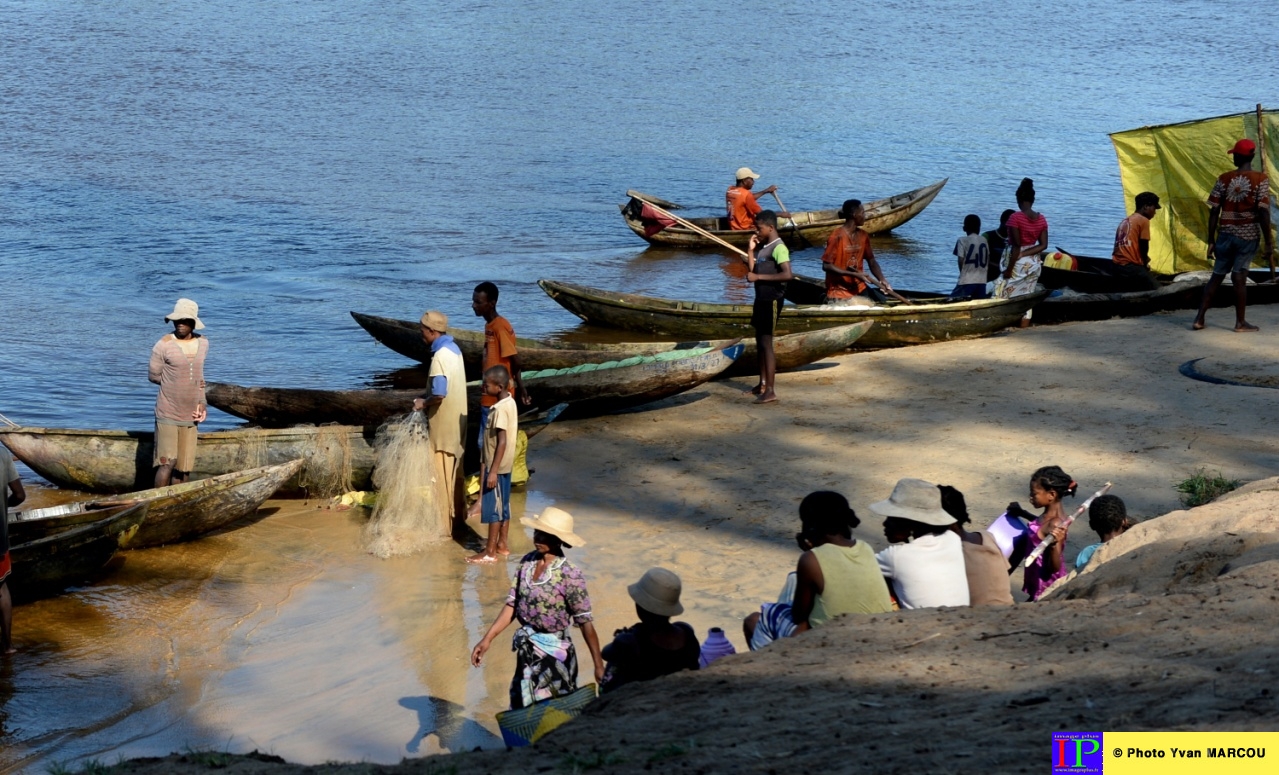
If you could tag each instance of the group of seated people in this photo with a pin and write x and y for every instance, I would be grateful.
(932, 560)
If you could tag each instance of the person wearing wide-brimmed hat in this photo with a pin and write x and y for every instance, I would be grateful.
(924, 563)
(548, 594)
(177, 366)
(836, 574)
(655, 646)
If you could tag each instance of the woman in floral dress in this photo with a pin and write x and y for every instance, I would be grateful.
(547, 595)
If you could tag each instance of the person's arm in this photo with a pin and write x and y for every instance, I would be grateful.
(1042, 244)
(1263, 218)
(17, 494)
(202, 409)
(503, 620)
(1143, 247)
(517, 374)
(439, 389)
(491, 481)
(757, 194)
(1053, 557)
(750, 258)
(1214, 215)
(786, 273)
(593, 645)
(156, 368)
(879, 277)
(1014, 252)
(809, 583)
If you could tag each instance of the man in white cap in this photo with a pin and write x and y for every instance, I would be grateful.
(924, 563)
(177, 366)
(445, 406)
(742, 203)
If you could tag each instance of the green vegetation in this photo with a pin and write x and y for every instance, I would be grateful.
(1204, 488)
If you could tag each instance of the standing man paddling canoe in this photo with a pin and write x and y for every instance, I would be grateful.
(742, 203)
(445, 406)
(1239, 218)
(177, 366)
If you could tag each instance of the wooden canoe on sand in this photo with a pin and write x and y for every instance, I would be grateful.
(793, 351)
(336, 458)
(932, 319)
(62, 558)
(809, 228)
(589, 390)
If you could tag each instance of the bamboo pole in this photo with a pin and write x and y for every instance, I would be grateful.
(1261, 156)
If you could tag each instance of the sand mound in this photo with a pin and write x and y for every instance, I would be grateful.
(1187, 549)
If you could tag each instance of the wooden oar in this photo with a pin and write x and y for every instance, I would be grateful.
(692, 226)
(793, 225)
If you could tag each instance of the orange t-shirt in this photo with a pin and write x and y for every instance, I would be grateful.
(499, 346)
(1131, 229)
(742, 208)
(846, 252)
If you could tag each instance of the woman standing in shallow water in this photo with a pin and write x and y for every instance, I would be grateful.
(548, 594)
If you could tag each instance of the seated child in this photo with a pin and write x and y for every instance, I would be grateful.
(973, 253)
(1109, 518)
(655, 646)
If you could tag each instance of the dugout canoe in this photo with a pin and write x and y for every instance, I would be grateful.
(33, 524)
(926, 319)
(807, 228)
(1060, 306)
(52, 563)
(336, 458)
(793, 351)
(589, 390)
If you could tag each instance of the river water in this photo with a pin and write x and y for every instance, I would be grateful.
(283, 163)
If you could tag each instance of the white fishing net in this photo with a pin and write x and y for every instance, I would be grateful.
(408, 517)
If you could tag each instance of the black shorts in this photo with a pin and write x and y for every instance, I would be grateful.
(765, 314)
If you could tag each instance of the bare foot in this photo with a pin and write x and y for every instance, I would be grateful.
(503, 551)
(758, 389)
(1245, 327)
(481, 558)
(1198, 325)
(768, 398)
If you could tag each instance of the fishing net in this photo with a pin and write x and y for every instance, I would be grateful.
(408, 516)
(328, 462)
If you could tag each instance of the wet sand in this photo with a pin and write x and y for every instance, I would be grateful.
(283, 636)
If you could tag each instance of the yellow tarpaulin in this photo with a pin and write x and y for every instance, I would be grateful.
(1180, 162)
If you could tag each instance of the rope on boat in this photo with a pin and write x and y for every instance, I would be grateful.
(9, 422)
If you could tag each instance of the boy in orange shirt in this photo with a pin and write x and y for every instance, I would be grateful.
(1131, 255)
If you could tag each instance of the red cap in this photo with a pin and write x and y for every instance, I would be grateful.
(1244, 147)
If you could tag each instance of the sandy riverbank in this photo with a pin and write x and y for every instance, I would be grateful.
(707, 485)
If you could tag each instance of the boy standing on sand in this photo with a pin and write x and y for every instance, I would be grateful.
(769, 270)
(497, 461)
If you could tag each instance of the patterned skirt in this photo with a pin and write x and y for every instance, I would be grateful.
(545, 666)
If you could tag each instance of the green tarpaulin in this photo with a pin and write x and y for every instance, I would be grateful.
(1180, 162)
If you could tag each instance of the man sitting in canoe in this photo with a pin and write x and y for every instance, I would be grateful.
(1132, 242)
(742, 203)
(847, 251)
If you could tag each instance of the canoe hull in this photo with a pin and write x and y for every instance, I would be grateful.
(894, 326)
(587, 394)
(792, 351)
(51, 564)
(111, 461)
(813, 226)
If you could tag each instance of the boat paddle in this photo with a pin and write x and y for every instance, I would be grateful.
(1050, 540)
(691, 226)
(804, 243)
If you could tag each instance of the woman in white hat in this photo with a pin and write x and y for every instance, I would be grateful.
(924, 562)
(655, 646)
(177, 366)
(548, 594)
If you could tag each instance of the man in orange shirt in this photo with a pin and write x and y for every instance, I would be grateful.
(847, 251)
(499, 345)
(1132, 244)
(1240, 205)
(742, 204)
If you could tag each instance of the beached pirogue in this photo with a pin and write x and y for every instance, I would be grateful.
(805, 229)
(793, 351)
(57, 551)
(589, 390)
(931, 319)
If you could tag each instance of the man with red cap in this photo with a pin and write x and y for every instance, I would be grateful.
(1239, 218)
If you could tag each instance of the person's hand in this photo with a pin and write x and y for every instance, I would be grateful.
(1059, 534)
(768, 190)
(751, 277)
(1014, 509)
(477, 653)
(419, 404)
(754, 241)
(200, 414)
(599, 673)
(491, 482)
(1212, 250)
(525, 398)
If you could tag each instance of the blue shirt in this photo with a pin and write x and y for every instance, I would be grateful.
(440, 384)
(1085, 555)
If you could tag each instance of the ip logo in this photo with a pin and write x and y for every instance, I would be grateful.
(1077, 753)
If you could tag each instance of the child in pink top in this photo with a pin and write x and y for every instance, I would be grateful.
(1048, 486)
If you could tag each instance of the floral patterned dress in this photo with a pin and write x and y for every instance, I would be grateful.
(545, 660)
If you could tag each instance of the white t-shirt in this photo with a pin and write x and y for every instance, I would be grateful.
(973, 253)
(927, 572)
